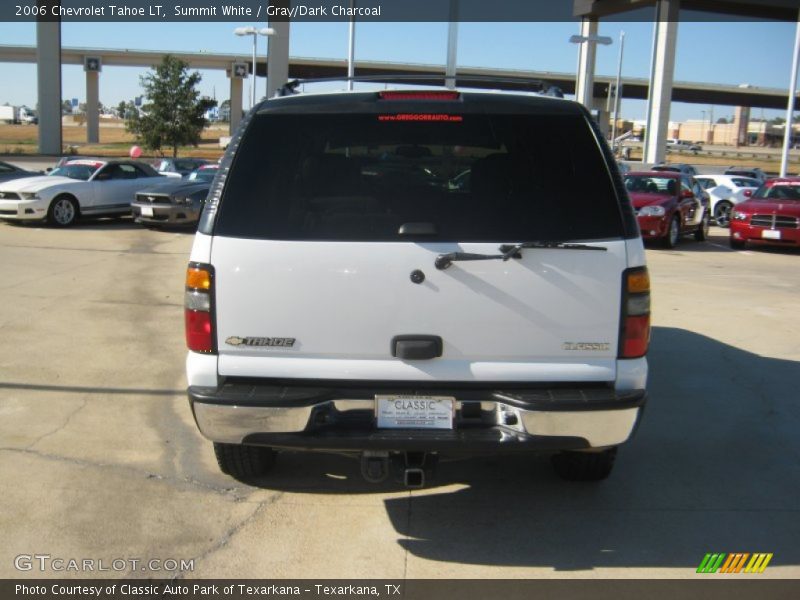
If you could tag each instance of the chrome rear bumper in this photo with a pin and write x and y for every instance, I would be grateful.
(305, 417)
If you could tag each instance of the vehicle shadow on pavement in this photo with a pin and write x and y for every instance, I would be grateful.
(99, 224)
(112, 224)
(713, 468)
(717, 242)
(125, 223)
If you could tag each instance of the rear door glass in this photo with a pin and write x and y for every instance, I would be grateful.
(474, 177)
(707, 183)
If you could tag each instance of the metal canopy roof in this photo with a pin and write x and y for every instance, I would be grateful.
(779, 10)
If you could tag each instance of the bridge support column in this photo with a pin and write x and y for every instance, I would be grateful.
(235, 102)
(278, 54)
(661, 80)
(741, 120)
(92, 107)
(584, 85)
(599, 108)
(48, 75)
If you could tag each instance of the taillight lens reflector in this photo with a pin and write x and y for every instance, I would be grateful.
(637, 337)
(634, 338)
(198, 331)
(638, 281)
(198, 307)
(198, 278)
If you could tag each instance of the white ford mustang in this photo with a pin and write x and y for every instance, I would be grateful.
(78, 188)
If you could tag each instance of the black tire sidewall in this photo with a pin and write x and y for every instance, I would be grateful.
(728, 207)
(668, 241)
(701, 235)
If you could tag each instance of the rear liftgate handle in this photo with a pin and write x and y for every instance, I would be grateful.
(416, 347)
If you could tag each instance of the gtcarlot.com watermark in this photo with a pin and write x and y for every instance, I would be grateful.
(47, 563)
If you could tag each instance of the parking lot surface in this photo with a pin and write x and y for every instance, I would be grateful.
(100, 457)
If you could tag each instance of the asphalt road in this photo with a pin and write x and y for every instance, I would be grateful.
(100, 458)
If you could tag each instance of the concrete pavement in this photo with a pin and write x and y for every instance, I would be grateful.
(100, 458)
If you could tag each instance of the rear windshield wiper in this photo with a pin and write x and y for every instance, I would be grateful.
(509, 251)
(445, 260)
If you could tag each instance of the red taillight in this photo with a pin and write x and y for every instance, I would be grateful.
(637, 336)
(199, 331)
(418, 95)
(634, 338)
(198, 314)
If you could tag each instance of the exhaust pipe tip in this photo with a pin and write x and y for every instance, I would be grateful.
(414, 478)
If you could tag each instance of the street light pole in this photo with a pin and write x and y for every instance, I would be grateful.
(617, 90)
(588, 40)
(253, 84)
(242, 31)
(351, 47)
(787, 134)
(703, 124)
(452, 47)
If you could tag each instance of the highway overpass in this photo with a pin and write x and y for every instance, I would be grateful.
(633, 87)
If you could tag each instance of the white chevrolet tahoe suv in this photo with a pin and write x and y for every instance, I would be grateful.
(407, 275)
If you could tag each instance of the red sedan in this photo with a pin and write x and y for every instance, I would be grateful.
(771, 216)
(668, 205)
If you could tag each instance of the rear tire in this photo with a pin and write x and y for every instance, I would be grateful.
(722, 213)
(673, 233)
(584, 466)
(701, 235)
(244, 462)
(737, 244)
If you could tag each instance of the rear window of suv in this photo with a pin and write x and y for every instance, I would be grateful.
(474, 177)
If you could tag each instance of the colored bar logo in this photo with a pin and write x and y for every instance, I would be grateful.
(734, 562)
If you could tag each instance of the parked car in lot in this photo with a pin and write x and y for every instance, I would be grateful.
(9, 172)
(174, 202)
(683, 168)
(726, 191)
(398, 321)
(668, 205)
(751, 172)
(179, 167)
(770, 217)
(79, 188)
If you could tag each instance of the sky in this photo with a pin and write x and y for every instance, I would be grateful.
(759, 54)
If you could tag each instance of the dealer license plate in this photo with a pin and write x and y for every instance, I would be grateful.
(147, 211)
(415, 412)
(771, 234)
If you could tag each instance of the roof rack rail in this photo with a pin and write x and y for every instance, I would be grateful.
(434, 79)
